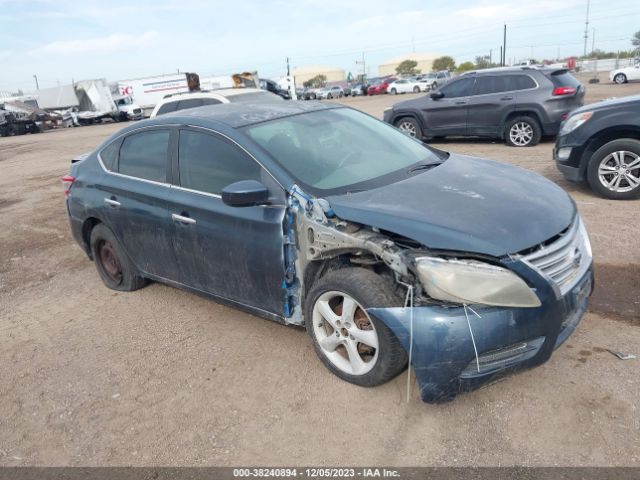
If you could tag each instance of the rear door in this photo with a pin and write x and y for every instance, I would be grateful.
(448, 115)
(135, 197)
(492, 100)
(235, 253)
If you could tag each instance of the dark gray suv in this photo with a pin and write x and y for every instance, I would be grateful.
(517, 104)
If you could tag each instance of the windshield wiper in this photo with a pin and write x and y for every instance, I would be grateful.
(424, 166)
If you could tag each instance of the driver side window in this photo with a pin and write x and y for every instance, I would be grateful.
(459, 88)
(208, 163)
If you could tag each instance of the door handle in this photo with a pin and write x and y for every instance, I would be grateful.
(507, 98)
(461, 103)
(111, 202)
(182, 219)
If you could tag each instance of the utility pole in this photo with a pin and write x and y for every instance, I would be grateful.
(501, 57)
(288, 70)
(490, 56)
(36, 79)
(593, 41)
(586, 30)
(504, 46)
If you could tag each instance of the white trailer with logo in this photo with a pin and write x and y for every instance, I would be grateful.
(148, 91)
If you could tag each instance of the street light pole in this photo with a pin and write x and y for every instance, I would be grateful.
(36, 79)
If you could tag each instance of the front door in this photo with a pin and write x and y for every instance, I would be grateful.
(448, 115)
(236, 253)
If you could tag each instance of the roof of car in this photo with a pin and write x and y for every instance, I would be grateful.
(242, 114)
(219, 92)
(511, 69)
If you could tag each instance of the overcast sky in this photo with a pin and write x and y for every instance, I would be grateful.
(61, 40)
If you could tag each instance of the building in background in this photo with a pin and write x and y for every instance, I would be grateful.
(302, 74)
(425, 63)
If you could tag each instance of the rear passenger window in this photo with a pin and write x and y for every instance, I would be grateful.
(144, 155)
(189, 103)
(210, 101)
(109, 155)
(167, 108)
(208, 163)
(521, 82)
(487, 85)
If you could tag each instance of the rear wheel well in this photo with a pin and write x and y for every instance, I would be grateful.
(524, 113)
(87, 227)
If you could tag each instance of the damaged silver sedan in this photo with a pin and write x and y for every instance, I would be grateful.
(389, 252)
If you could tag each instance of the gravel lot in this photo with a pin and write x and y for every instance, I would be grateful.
(163, 377)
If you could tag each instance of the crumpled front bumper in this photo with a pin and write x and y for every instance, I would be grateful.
(506, 339)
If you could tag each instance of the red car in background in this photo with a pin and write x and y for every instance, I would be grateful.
(380, 85)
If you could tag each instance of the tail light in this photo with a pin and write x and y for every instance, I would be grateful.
(564, 116)
(564, 91)
(67, 182)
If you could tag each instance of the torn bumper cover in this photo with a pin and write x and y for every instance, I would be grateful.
(506, 339)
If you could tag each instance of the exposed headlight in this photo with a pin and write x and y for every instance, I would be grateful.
(574, 122)
(472, 282)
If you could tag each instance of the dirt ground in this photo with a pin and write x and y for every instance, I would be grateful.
(89, 376)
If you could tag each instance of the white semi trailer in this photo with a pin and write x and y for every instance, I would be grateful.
(148, 91)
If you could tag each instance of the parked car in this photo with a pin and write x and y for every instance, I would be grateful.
(181, 101)
(600, 143)
(358, 89)
(517, 104)
(328, 93)
(626, 74)
(436, 79)
(307, 94)
(380, 86)
(273, 87)
(314, 214)
(406, 85)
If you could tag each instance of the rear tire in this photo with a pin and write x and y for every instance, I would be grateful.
(336, 333)
(614, 170)
(409, 126)
(416, 89)
(394, 91)
(620, 78)
(522, 131)
(114, 267)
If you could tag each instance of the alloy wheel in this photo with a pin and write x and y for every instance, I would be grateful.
(408, 128)
(345, 333)
(620, 171)
(521, 134)
(620, 79)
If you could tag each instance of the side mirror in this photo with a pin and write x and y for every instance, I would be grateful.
(245, 193)
(436, 95)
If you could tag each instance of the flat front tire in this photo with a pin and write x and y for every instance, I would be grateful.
(114, 267)
(353, 345)
(614, 170)
(409, 126)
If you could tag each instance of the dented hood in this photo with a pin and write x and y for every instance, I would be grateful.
(466, 204)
